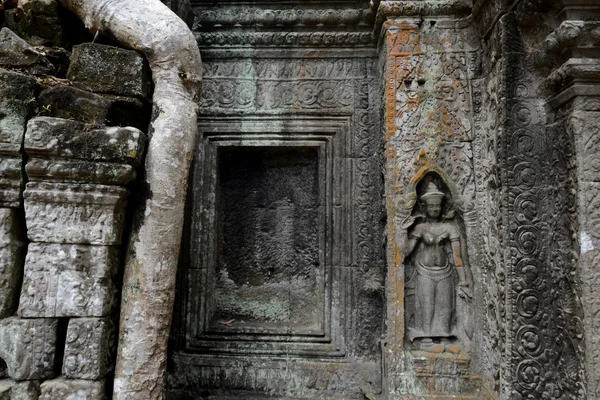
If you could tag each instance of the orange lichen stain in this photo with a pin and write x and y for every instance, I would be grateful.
(427, 165)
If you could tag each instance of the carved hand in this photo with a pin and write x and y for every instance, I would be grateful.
(465, 291)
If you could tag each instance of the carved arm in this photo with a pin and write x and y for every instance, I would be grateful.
(463, 280)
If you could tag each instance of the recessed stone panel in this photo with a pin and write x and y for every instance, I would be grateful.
(268, 276)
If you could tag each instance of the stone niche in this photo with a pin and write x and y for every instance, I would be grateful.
(269, 299)
(269, 276)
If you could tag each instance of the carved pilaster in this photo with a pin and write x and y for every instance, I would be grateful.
(432, 72)
(573, 52)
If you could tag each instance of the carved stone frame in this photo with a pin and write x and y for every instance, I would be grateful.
(330, 136)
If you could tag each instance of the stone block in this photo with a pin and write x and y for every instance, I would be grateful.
(71, 213)
(11, 182)
(89, 348)
(12, 255)
(69, 102)
(39, 20)
(12, 390)
(69, 281)
(66, 389)
(79, 171)
(72, 103)
(62, 138)
(17, 53)
(17, 97)
(107, 69)
(28, 346)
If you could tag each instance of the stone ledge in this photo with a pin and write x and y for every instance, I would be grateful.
(67, 139)
(79, 171)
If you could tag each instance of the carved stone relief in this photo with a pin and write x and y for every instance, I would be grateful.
(439, 286)
(328, 105)
(435, 255)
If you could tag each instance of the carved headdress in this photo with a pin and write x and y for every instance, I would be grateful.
(432, 193)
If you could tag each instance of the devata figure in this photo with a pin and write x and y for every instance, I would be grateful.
(436, 273)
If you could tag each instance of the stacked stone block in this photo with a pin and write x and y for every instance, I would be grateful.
(75, 215)
(58, 332)
(27, 346)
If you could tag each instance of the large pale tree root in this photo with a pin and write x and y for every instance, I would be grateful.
(149, 282)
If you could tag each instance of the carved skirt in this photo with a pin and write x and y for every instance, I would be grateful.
(434, 301)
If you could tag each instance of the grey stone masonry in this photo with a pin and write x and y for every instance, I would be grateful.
(66, 389)
(73, 213)
(89, 348)
(70, 151)
(107, 69)
(17, 94)
(67, 139)
(12, 390)
(17, 53)
(65, 101)
(12, 254)
(28, 346)
(69, 280)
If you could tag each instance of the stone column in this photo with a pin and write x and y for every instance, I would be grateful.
(573, 49)
(75, 207)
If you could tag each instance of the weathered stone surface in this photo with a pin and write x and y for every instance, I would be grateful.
(72, 103)
(62, 138)
(79, 171)
(69, 102)
(66, 389)
(71, 213)
(39, 20)
(89, 348)
(11, 182)
(183, 9)
(17, 53)
(12, 390)
(28, 346)
(69, 280)
(17, 97)
(12, 255)
(107, 69)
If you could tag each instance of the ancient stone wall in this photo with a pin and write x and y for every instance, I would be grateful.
(389, 200)
(71, 146)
